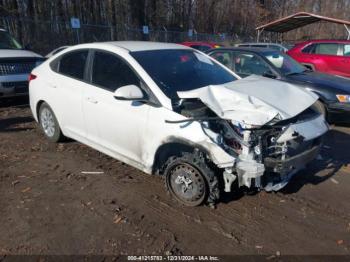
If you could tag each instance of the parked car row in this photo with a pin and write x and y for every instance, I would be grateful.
(328, 56)
(333, 91)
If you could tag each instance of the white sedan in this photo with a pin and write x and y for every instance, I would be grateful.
(171, 110)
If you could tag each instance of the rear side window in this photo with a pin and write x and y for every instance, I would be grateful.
(327, 49)
(346, 50)
(73, 64)
(262, 46)
(111, 72)
(276, 47)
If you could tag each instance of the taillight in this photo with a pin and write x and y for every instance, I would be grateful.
(31, 77)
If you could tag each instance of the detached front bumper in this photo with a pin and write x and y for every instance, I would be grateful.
(280, 172)
(306, 146)
(295, 162)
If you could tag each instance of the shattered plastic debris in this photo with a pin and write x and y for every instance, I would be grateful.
(117, 219)
(334, 181)
(15, 182)
(26, 190)
(92, 172)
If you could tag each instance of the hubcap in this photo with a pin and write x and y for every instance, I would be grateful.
(47, 122)
(187, 184)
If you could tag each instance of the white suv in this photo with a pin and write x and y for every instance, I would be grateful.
(171, 110)
(15, 66)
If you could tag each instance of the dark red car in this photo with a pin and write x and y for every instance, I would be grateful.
(328, 56)
(201, 46)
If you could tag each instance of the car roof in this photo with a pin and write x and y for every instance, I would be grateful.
(134, 46)
(198, 43)
(260, 43)
(259, 50)
(324, 41)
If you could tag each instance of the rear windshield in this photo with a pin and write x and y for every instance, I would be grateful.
(176, 70)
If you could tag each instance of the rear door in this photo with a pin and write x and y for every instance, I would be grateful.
(325, 57)
(67, 86)
(331, 55)
(345, 60)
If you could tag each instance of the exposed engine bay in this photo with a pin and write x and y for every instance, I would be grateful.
(266, 155)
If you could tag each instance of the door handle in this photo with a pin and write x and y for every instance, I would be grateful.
(92, 100)
(344, 60)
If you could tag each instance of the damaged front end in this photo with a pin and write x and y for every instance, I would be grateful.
(269, 144)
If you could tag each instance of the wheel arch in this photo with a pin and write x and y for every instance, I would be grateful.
(175, 147)
(321, 98)
(37, 108)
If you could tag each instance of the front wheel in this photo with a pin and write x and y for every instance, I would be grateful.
(49, 123)
(190, 180)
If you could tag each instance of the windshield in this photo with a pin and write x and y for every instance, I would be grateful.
(8, 42)
(285, 63)
(181, 70)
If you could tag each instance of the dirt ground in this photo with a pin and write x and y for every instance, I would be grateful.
(48, 206)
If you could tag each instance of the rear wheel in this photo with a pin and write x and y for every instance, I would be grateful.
(49, 123)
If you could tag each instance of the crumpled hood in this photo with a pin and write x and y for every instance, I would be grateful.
(254, 100)
(11, 53)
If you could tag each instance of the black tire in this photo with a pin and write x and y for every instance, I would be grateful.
(193, 167)
(56, 135)
(319, 106)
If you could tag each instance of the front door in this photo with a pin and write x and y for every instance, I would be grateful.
(116, 125)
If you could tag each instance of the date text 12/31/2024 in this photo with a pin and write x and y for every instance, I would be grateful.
(173, 258)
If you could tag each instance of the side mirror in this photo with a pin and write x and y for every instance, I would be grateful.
(269, 74)
(129, 92)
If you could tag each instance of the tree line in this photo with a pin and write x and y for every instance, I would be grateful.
(236, 18)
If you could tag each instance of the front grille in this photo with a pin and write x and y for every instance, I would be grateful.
(16, 68)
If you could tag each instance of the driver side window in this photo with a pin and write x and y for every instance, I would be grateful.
(224, 57)
(246, 64)
(111, 72)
